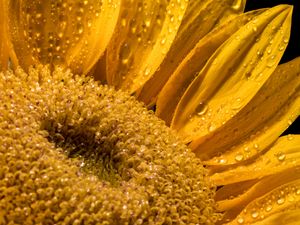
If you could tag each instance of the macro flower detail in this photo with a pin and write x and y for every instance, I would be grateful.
(77, 152)
(71, 34)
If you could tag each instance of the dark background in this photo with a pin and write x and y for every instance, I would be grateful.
(293, 48)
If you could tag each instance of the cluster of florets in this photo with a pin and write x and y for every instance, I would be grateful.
(75, 152)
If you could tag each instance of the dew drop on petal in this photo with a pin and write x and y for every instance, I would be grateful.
(239, 157)
(246, 149)
(125, 53)
(211, 127)
(237, 4)
(254, 214)
(201, 109)
(285, 40)
(222, 161)
(240, 220)
(280, 156)
(147, 71)
(268, 208)
(290, 137)
(256, 146)
(237, 104)
(271, 61)
(280, 201)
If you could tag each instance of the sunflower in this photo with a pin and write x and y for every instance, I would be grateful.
(207, 68)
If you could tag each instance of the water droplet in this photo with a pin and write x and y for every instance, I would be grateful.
(254, 214)
(38, 15)
(237, 5)
(271, 61)
(123, 22)
(280, 156)
(259, 53)
(147, 71)
(268, 208)
(269, 50)
(280, 201)
(239, 157)
(89, 23)
(60, 34)
(163, 41)
(237, 104)
(211, 127)
(222, 161)
(37, 34)
(248, 75)
(281, 47)
(240, 220)
(256, 146)
(290, 137)
(79, 28)
(247, 149)
(285, 40)
(124, 53)
(201, 109)
(148, 22)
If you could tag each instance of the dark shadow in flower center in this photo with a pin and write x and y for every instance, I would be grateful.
(80, 142)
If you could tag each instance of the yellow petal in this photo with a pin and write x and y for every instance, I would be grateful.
(289, 217)
(267, 202)
(99, 70)
(233, 201)
(144, 34)
(259, 123)
(67, 33)
(234, 74)
(199, 19)
(3, 51)
(6, 51)
(283, 155)
(179, 81)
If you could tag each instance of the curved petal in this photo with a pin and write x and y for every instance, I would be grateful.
(6, 51)
(66, 33)
(289, 217)
(233, 75)
(3, 49)
(283, 155)
(144, 34)
(264, 205)
(259, 123)
(208, 13)
(179, 81)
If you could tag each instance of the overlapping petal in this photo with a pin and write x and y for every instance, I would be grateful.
(6, 50)
(68, 33)
(208, 13)
(190, 66)
(232, 112)
(143, 36)
(3, 52)
(267, 198)
(250, 132)
(283, 155)
(233, 75)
